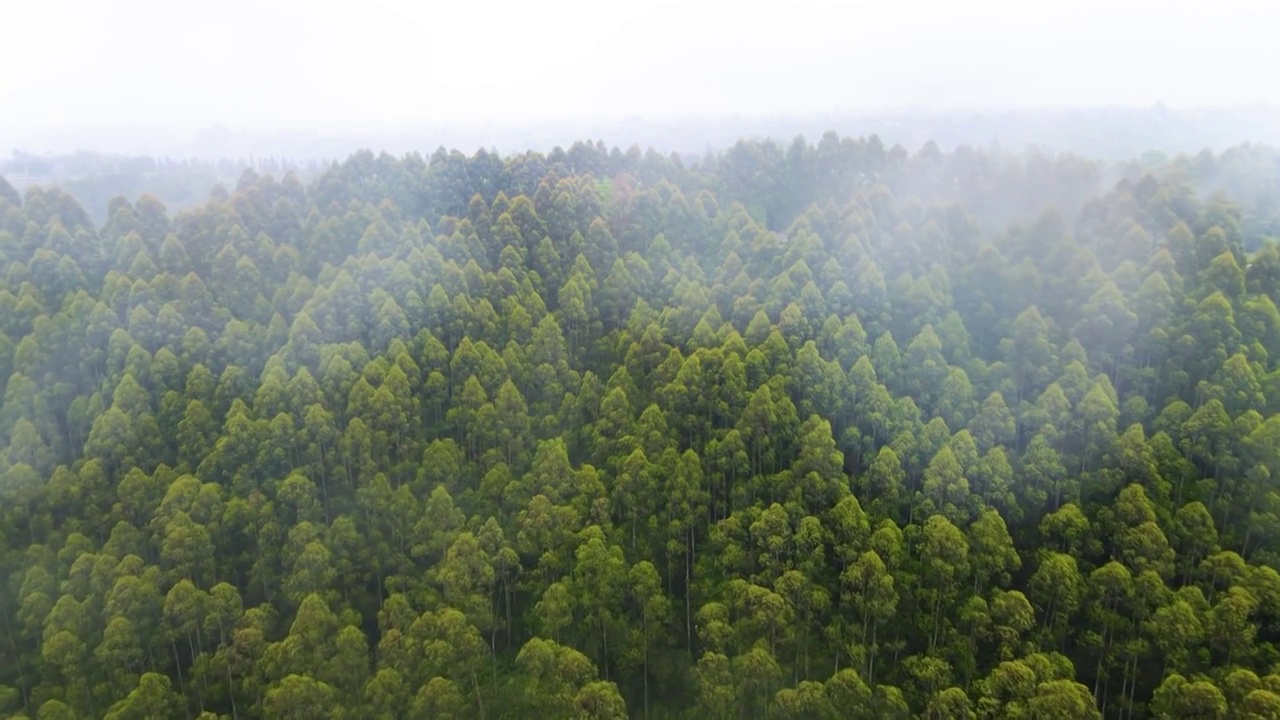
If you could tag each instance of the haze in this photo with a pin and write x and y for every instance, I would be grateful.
(85, 70)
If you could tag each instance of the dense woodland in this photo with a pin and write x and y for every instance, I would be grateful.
(816, 431)
(93, 179)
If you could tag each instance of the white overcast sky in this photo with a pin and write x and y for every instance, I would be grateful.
(183, 65)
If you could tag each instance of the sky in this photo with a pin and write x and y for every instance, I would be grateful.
(86, 66)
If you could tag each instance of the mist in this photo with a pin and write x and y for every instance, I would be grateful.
(150, 77)
(796, 360)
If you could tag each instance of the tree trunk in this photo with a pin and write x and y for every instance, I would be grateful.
(688, 594)
(231, 693)
(177, 662)
(604, 636)
(645, 630)
(475, 682)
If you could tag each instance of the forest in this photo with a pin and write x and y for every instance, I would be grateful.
(794, 430)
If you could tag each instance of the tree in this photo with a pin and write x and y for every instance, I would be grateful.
(299, 697)
(599, 700)
(806, 429)
(153, 698)
(386, 696)
(1057, 587)
(946, 489)
(1177, 697)
(714, 681)
(874, 598)
(555, 675)
(600, 577)
(454, 649)
(994, 555)
(1062, 699)
(652, 605)
(945, 554)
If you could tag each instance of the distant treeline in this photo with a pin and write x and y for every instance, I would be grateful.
(94, 178)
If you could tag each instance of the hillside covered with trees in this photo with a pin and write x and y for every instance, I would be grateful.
(814, 431)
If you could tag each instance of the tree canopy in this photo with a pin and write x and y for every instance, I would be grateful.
(807, 431)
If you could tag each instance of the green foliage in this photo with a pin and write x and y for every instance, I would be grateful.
(804, 433)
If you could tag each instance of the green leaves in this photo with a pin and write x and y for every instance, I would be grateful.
(585, 435)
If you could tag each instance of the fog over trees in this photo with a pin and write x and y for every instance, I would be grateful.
(821, 428)
(697, 360)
